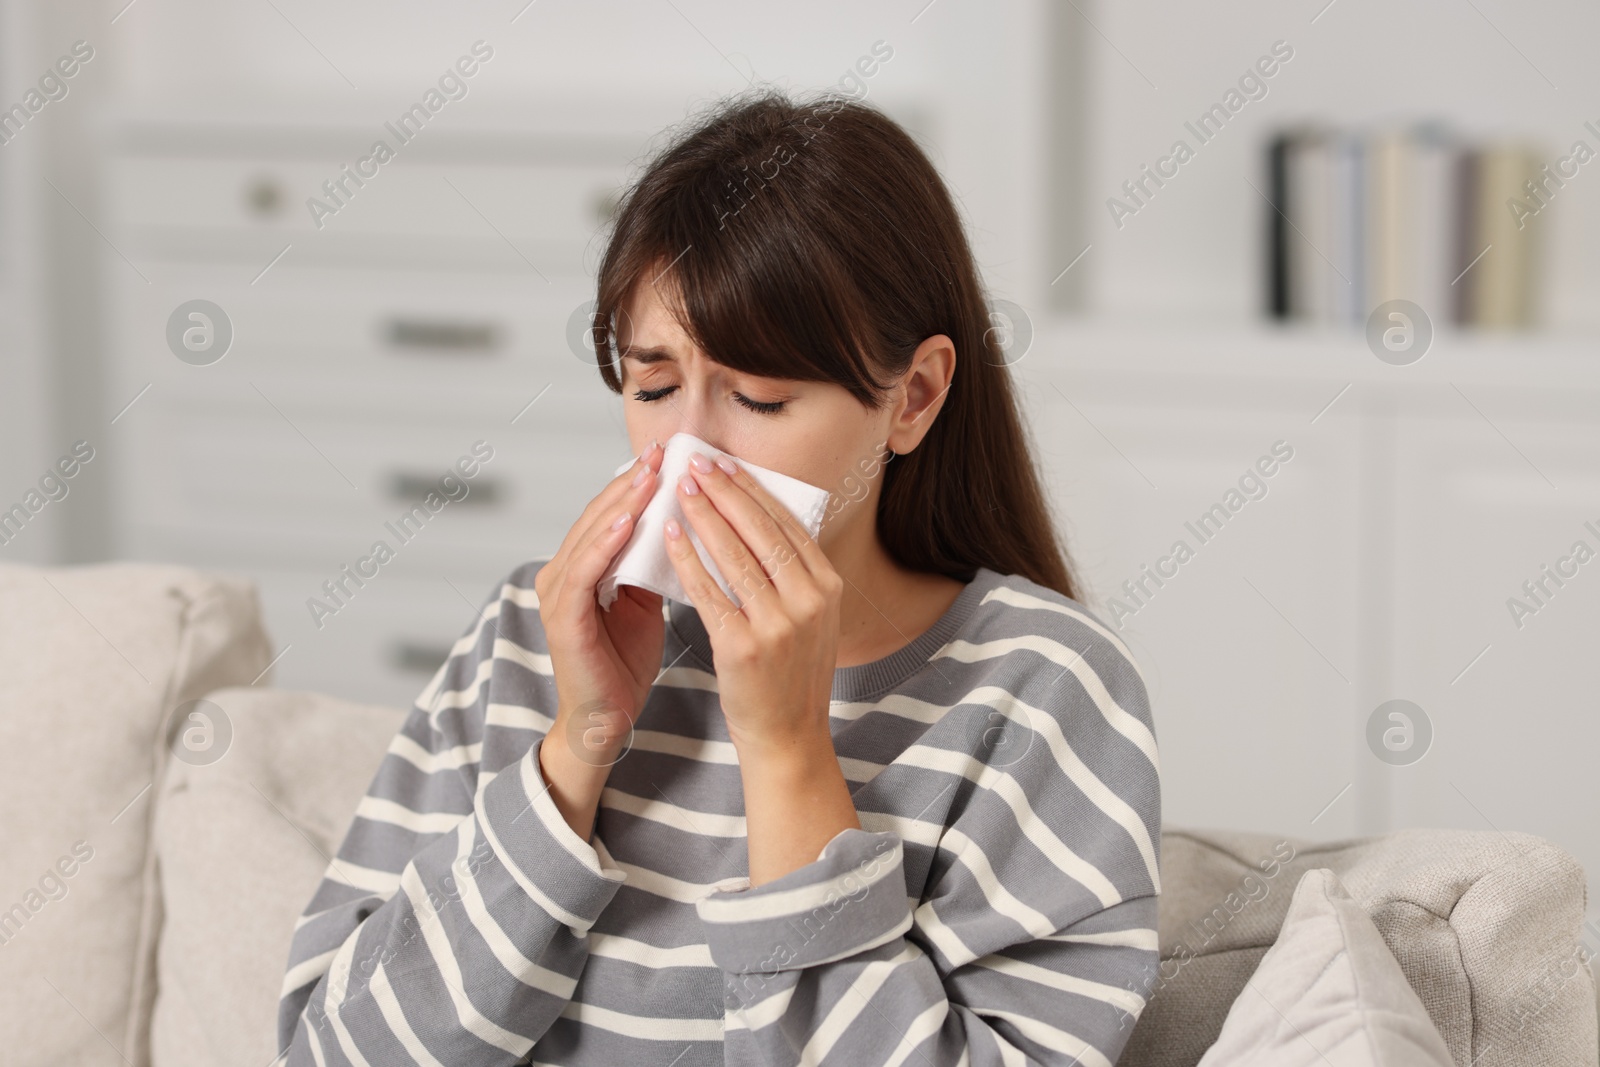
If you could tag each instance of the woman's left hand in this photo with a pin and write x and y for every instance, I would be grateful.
(775, 651)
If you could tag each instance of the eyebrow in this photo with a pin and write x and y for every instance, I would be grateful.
(658, 354)
(647, 355)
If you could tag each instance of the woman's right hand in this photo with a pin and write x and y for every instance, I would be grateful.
(604, 662)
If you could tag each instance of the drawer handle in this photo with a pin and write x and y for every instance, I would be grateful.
(441, 337)
(412, 487)
(415, 657)
(264, 196)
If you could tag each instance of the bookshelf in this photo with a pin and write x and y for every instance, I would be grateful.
(1425, 495)
(1195, 251)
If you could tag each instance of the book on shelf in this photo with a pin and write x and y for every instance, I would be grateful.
(1361, 218)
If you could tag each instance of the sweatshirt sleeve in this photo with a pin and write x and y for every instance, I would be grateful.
(1035, 938)
(451, 926)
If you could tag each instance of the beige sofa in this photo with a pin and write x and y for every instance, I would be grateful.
(149, 898)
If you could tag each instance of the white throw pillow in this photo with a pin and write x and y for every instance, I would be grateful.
(243, 843)
(1328, 993)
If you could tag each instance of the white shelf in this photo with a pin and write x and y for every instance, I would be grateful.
(1559, 362)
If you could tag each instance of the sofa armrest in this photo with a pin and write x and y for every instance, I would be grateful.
(1484, 925)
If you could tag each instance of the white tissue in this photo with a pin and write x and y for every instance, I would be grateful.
(644, 562)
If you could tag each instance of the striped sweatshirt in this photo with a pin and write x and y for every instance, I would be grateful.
(997, 906)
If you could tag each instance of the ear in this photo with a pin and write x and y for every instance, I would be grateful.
(924, 387)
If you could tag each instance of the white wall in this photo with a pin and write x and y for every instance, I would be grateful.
(23, 398)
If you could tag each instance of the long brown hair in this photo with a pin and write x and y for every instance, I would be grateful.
(815, 241)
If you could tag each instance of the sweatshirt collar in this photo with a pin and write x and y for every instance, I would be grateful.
(864, 680)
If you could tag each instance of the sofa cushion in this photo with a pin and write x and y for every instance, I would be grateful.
(1328, 991)
(93, 662)
(241, 844)
(1482, 924)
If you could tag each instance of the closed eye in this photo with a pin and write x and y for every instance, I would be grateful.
(648, 395)
(766, 407)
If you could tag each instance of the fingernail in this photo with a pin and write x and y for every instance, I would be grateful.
(638, 479)
(674, 531)
(699, 463)
(688, 485)
(620, 521)
(726, 464)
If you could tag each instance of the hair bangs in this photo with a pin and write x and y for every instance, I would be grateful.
(743, 270)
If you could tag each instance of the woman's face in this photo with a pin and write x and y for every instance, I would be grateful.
(814, 431)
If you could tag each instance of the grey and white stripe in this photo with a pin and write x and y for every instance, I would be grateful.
(998, 907)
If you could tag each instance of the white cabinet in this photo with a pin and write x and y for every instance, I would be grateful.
(1249, 646)
(1491, 502)
(426, 322)
(1378, 567)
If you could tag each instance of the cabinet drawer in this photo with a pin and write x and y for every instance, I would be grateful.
(363, 336)
(566, 200)
(323, 484)
(533, 217)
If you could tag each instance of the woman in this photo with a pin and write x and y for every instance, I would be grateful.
(899, 804)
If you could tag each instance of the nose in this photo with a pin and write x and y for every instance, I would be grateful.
(712, 438)
(692, 418)
(692, 409)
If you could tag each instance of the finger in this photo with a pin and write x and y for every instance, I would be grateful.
(764, 522)
(614, 495)
(753, 542)
(588, 562)
(712, 604)
(593, 535)
(734, 561)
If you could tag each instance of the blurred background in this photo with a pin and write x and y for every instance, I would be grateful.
(258, 341)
